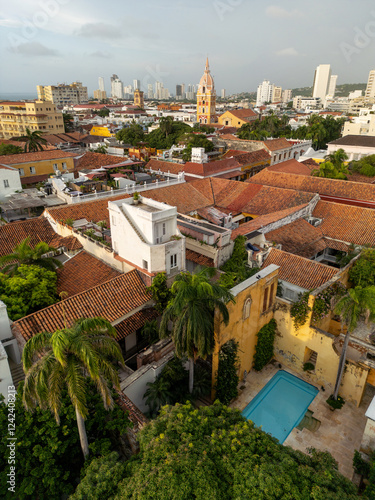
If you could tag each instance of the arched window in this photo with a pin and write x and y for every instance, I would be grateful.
(246, 308)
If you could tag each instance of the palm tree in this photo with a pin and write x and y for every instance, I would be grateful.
(194, 300)
(68, 358)
(158, 394)
(24, 253)
(337, 158)
(357, 302)
(34, 140)
(166, 125)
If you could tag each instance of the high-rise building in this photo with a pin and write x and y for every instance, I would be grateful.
(206, 98)
(150, 91)
(332, 85)
(322, 79)
(277, 94)
(62, 94)
(100, 94)
(287, 95)
(138, 99)
(264, 92)
(101, 83)
(370, 89)
(223, 93)
(178, 91)
(137, 84)
(116, 87)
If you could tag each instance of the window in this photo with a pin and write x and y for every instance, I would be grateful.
(55, 167)
(21, 171)
(173, 260)
(64, 164)
(271, 295)
(246, 308)
(32, 170)
(6, 183)
(265, 300)
(163, 228)
(144, 264)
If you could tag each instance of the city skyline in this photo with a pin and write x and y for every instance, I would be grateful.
(57, 41)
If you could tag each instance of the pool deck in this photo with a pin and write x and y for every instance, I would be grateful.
(340, 431)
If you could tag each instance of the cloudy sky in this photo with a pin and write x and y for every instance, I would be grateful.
(54, 41)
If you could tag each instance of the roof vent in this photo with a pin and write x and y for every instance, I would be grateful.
(314, 221)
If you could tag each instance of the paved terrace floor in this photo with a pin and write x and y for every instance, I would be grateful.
(340, 431)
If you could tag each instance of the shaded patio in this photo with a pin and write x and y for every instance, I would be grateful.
(340, 431)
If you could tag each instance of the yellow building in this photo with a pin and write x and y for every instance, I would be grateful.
(206, 98)
(101, 131)
(16, 117)
(100, 94)
(38, 166)
(237, 117)
(138, 99)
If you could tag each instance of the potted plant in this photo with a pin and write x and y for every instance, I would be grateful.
(136, 198)
(335, 403)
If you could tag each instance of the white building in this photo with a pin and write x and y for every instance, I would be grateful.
(146, 235)
(116, 87)
(10, 181)
(370, 89)
(277, 93)
(355, 146)
(150, 91)
(198, 155)
(287, 95)
(306, 103)
(9, 351)
(223, 93)
(101, 83)
(332, 85)
(264, 92)
(322, 79)
(364, 124)
(137, 84)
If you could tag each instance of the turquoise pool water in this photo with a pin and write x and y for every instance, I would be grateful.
(281, 404)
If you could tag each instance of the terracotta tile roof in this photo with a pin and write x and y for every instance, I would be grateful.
(135, 415)
(328, 187)
(346, 223)
(231, 175)
(34, 179)
(242, 114)
(134, 322)
(211, 168)
(258, 156)
(96, 160)
(225, 130)
(111, 300)
(81, 272)
(299, 237)
(229, 137)
(233, 152)
(299, 271)
(199, 259)
(38, 229)
(276, 144)
(366, 141)
(165, 166)
(293, 167)
(263, 221)
(34, 157)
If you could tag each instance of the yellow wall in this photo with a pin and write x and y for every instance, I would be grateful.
(45, 166)
(102, 131)
(244, 331)
(232, 120)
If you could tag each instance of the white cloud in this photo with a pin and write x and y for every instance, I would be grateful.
(35, 49)
(280, 13)
(290, 51)
(100, 30)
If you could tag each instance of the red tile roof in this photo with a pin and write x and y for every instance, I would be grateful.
(199, 259)
(327, 187)
(165, 166)
(293, 167)
(305, 273)
(96, 160)
(135, 322)
(242, 114)
(111, 300)
(276, 144)
(299, 237)
(38, 229)
(81, 272)
(34, 157)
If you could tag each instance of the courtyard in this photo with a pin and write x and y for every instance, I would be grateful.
(340, 431)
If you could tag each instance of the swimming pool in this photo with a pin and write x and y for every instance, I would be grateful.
(281, 404)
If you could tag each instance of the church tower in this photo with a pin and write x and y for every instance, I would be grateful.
(206, 98)
(138, 99)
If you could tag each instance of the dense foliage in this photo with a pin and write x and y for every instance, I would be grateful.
(31, 288)
(48, 456)
(364, 166)
(214, 453)
(300, 310)
(264, 347)
(227, 378)
(133, 134)
(236, 268)
(10, 149)
(319, 129)
(196, 141)
(167, 134)
(160, 292)
(363, 272)
(326, 300)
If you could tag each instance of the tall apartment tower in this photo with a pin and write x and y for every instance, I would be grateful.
(116, 87)
(264, 92)
(223, 93)
(206, 98)
(370, 89)
(150, 91)
(137, 84)
(332, 86)
(322, 80)
(277, 94)
(101, 83)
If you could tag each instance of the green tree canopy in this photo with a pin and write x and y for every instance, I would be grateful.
(33, 140)
(31, 288)
(196, 141)
(364, 166)
(329, 170)
(48, 456)
(214, 453)
(363, 271)
(133, 134)
(159, 139)
(10, 149)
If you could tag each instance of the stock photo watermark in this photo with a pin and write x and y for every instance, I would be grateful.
(29, 28)
(362, 39)
(223, 8)
(11, 459)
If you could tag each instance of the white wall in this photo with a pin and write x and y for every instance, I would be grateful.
(5, 375)
(13, 177)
